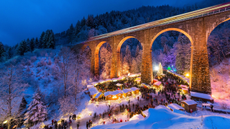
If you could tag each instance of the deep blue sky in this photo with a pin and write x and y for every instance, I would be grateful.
(22, 19)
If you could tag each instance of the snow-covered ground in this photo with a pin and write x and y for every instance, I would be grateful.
(161, 117)
(220, 82)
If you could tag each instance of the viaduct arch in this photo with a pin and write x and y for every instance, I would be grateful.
(196, 25)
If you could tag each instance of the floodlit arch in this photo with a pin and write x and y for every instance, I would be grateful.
(171, 29)
(119, 54)
(98, 47)
(186, 34)
(215, 27)
(122, 41)
(97, 50)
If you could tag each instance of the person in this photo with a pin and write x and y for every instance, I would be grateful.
(70, 122)
(211, 106)
(87, 124)
(52, 122)
(78, 125)
(70, 117)
(55, 124)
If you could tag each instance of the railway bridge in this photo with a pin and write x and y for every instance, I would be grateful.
(196, 25)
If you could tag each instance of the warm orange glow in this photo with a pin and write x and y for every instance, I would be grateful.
(187, 74)
(213, 96)
(114, 97)
(171, 29)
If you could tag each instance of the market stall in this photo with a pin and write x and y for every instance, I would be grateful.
(135, 90)
(113, 95)
(138, 80)
(127, 92)
(98, 96)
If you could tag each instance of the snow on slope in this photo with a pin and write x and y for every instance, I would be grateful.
(164, 118)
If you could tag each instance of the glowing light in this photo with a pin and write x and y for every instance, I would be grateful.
(169, 68)
(187, 74)
(213, 96)
(5, 122)
(90, 113)
(156, 68)
(128, 74)
(42, 125)
(114, 97)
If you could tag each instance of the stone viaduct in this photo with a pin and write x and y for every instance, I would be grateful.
(196, 25)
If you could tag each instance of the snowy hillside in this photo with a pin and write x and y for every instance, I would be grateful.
(220, 81)
(161, 117)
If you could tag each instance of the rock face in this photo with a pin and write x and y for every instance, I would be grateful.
(197, 26)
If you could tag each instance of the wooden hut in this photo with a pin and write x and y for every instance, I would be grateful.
(113, 95)
(137, 80)
(98, 96)
(117, 94)
(135, 90)
(127, 92)
(158, 86)
(108, 95)
(189, 105)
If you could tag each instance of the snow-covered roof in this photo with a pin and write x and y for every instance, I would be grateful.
(201, 95)
(174, 106)
(190, 102)
(101, 81)
(94, 83)
(133, 75)
(127, 90)
(90, 86)
(98, 95)
(93, 90)
(113, 92)
(146, 112)
(115, 79)
(117, 92)
(157, 83)
(108, 80)
(134, 88)
(136, 117)
(119, 84)
(183, 86)
(108, 93)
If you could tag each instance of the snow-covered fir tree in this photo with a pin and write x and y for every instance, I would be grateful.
(36, 112)
(21, 111)
(1, 51)
(32, 45)
(22, 48)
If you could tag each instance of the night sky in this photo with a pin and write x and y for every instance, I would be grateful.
(22, 19)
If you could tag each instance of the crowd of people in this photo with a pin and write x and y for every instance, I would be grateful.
(149, 98)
